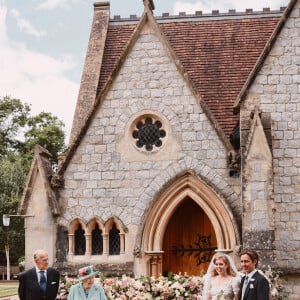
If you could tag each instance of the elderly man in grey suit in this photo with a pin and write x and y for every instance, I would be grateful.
(40, 282)
(254, 285)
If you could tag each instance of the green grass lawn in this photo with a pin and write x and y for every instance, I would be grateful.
(8, 288)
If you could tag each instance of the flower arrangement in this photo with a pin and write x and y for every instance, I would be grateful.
(177, 287)
(65, 285)
(277, 290)
(173, 286)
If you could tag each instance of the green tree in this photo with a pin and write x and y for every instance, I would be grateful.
(19, 133)
(12, 178)
(13, 117)
(45, 130)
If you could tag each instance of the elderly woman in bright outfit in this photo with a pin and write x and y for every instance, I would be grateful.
(86, 288)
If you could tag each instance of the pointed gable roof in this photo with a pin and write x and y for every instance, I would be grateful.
(214, 53)
(217, 52)
(40, 166)
(257, 142)
(119, 41)
(266, 50)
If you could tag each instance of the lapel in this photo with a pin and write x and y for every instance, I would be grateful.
(92, 292)
(34, 278)
(251, 282)
(81, 292)
(49, 278)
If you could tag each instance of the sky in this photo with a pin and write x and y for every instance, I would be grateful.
(43, 45)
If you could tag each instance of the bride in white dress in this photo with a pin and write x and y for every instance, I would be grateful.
(222, 281)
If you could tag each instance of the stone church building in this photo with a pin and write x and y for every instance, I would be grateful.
(185, 141)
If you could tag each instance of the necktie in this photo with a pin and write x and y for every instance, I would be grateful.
(244, 286)
(43, 281)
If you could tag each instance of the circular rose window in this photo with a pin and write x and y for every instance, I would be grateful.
(148, 133)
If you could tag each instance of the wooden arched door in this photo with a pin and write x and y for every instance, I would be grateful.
(189, 240)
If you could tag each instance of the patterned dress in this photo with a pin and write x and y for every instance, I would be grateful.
(225, 291)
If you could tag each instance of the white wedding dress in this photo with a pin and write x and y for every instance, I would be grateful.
(222, 292)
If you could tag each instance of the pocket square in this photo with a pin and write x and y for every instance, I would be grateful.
(251, 286)
(53, 282)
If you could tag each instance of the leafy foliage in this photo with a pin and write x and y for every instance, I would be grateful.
(45, 130)
(13, 117)
(277, 290)
(12, 178)
(19, 133)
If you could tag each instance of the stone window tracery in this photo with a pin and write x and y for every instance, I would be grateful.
(148, 133)
(114, 241)
(97, 241)
(79, 241)
(95, 238)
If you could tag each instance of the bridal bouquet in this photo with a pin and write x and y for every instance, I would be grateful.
(222, 296)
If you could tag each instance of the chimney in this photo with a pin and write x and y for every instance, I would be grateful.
(92, 66)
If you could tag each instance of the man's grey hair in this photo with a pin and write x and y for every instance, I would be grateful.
(38, 253)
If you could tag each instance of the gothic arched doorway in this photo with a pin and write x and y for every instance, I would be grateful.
(189, 240)
(193, 192)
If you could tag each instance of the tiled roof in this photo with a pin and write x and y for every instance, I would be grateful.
(116, 40)
(285, 16)
(218, 55)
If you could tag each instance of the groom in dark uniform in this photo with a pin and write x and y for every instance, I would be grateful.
(254, 285)
(40, 282)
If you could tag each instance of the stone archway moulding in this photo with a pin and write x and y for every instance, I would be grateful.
(213, 205)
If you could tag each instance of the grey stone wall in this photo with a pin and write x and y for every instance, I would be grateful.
(102, 180)
(276, 92)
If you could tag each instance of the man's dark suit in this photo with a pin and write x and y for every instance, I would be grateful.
(257, 288)
(29, 288)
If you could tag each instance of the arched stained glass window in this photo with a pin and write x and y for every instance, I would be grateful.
(79, 241)
(114, 241)
(97, 241)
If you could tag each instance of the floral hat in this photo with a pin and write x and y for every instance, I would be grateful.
(86, 272)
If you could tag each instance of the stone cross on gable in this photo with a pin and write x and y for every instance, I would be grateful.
(149, 4)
